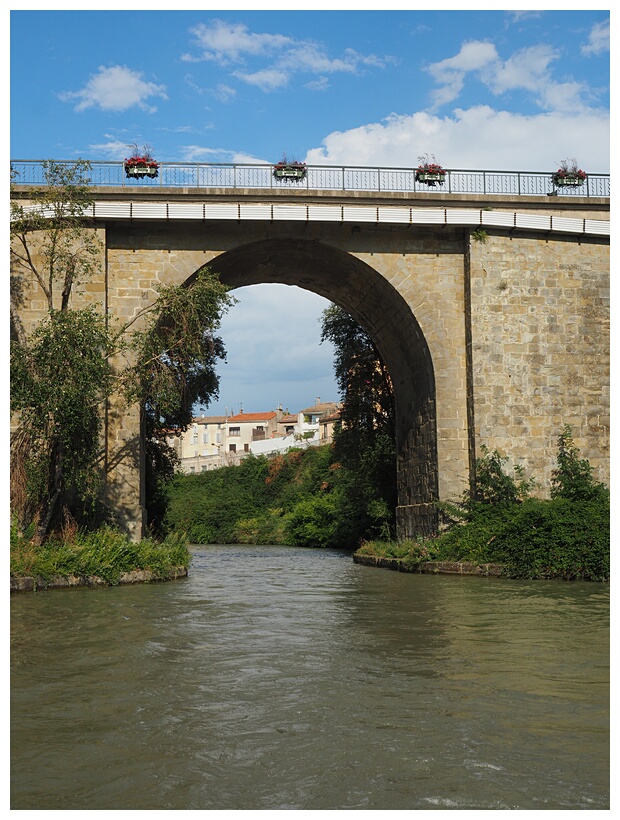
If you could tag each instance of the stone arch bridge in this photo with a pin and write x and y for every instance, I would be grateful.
(491, 313)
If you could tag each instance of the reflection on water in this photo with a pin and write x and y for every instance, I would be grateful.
(286, 678)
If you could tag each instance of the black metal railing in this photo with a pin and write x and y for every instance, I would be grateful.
(322, 177)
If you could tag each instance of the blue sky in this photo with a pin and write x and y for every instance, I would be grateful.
(477, 89)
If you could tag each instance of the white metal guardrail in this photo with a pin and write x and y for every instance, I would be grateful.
(382, 214)
(322, 178)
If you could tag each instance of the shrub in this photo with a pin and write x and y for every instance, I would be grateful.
(573, 476)
(312, 523)
(493, 485)
(556, 539)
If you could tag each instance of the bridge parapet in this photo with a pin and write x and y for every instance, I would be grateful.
(350, 179)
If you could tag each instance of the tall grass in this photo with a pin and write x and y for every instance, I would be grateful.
(106, 553)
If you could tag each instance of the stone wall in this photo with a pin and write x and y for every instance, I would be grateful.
(540, 349)
(497, 343)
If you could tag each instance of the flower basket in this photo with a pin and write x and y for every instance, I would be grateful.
(561, 180)
(141, 169)
(569, 174)
(430, 173)
(430, 177)
(290, 171)
(141, 163)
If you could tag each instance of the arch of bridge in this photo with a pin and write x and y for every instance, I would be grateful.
(404, 287)
(381, 309)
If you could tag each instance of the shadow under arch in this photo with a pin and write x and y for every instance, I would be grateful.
(386, 317)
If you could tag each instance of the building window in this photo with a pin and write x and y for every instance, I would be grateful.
(246, 448)
(232, 448)
(205, 438)
(234, 431)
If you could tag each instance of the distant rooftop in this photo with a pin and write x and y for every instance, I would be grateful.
(253, 416)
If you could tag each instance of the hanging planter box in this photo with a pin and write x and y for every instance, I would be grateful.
(569, 180)
(289, 173)
(430, 177)
(139, 171)
(569, 174)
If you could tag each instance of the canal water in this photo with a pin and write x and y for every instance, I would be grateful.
(290, 678)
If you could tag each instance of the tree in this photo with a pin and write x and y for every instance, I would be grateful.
(572, 477)
(61, 373)
(365, 443)
(363, 380)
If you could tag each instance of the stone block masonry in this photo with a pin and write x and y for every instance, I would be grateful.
(497, 343)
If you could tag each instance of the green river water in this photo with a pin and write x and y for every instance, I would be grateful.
(287, 678)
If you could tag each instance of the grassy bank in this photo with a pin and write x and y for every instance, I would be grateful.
(300, 498)
(558, 538)
(106, 553)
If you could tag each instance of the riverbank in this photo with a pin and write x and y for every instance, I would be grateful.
(103, 557)
(429, 567)
(136, 576)
(534, 539)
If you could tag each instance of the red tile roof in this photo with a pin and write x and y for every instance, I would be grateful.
(252, 417)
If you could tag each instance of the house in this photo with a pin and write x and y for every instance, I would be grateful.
(201, 446)
(288, 425)
(310, 417)
(244, 428)
(220, 441)
(327, 426)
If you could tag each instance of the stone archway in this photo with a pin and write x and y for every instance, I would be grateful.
(381, 310)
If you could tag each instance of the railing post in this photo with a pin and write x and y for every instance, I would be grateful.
(343, 188)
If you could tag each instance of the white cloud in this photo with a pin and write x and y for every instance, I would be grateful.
(272, 337)
(224, 93)
(517, 16)
(115, 88)
(450, 73)
(320, 84)
(225, 43)
(228, 44)
(267, 79)
(476, 138)
(114, 150)
(528, 69)
(201, 153)
(598, 39)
